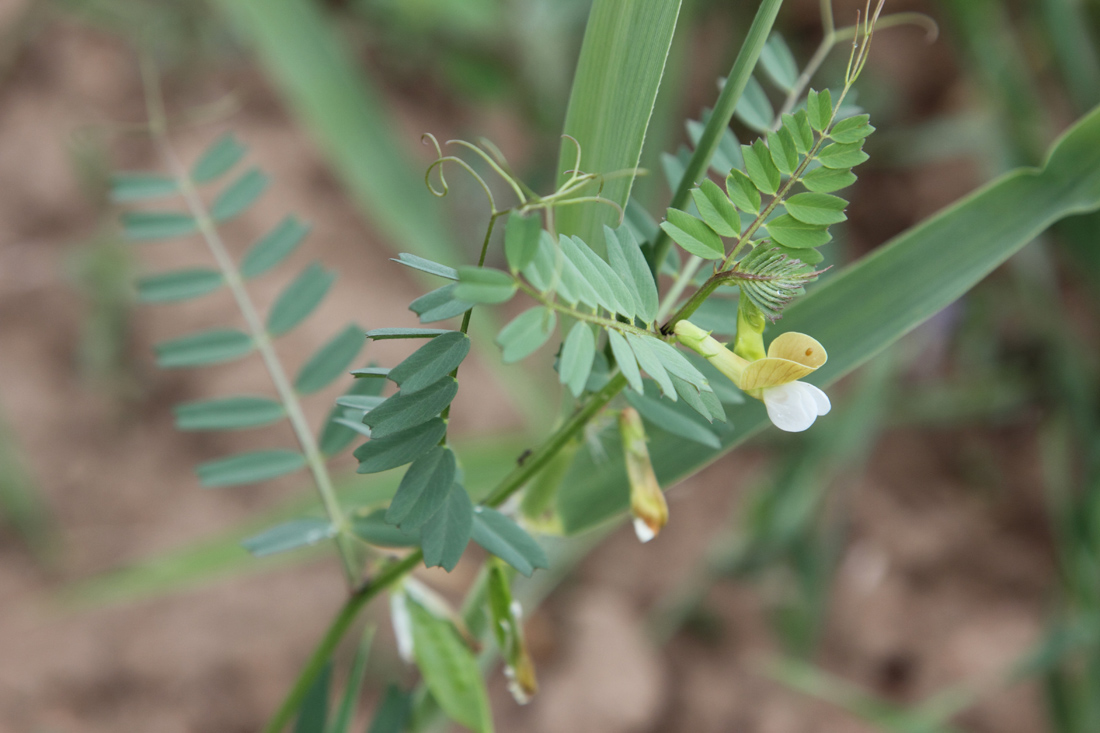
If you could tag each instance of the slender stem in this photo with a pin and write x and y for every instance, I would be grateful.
(581, 315)
(812, 67)
(314, 459)
(465, 327)
(340, 625)
(724, 107)
(693, 302)
(542, 455)
(683, 279)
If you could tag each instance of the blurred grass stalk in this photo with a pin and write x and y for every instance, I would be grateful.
(21, 506)
(347, 117)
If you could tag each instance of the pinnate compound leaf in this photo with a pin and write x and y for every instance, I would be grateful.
(290, 536)
(671, 420)
(626, 360)
(171, 287)
(852, 129)
(753, 108)
(927, 271)
(798, 125)
(299, 299)
(622, 295)
(703, 401)
(142, 225)
(431, 362)
(525, 333)
(817, 208)
(743, 192)
(778, 62)
(330, 361)
(374, 528)
(127, 187)
(229, 413)
(362, 402)
(439, 305)
(405, 411)
(372, 372)
(504, 538)
(782, 147)
(223, 154)
(585, 279)
(383, 334)
(826, 180)
(381, 454)
(206, 347)
(423, 489)
(450, 670)
(249, 468)
(693, 236)
(484, 285)
(819, 108)
(627, 259)
(426, 265)
(676, 364)
(760, 167)
(842, 155)
(239, 195)
(646, 354)
(447, 532)
(274, 247)
(576, 354)
(717, 210)
(576, 357)
(791, 232)
(521, 239)
(343, 425)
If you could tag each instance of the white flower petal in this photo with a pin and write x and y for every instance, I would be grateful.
(820, 398)
(402, 626)
(645, 534)
(790, 407)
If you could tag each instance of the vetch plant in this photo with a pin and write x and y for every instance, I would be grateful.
(630, 356)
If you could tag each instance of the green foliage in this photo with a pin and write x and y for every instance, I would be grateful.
(203, 348)
(446, 533)
(249, 468)
(330, 361)
(927, 270)
(179, 285)
(229, 413)
(450, 669)
(290, 535)
(299, 299)
(423, 489)
(507, 540)
(622, 60)
(274, 247)
(382, 454)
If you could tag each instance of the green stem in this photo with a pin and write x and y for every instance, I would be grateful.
(542, 455)
(335, 633)
(724, 107)
(580, 315)
(314, 459)
(693, 302)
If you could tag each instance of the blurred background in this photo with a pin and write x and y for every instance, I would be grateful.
(928, 563)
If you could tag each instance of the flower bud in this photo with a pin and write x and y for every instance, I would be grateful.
(702, 343)
(749, 341)
(647, 502)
